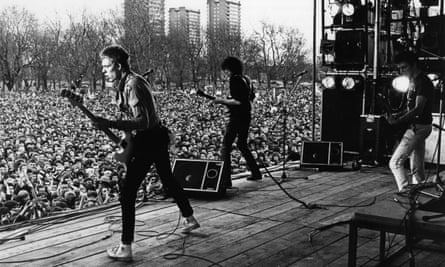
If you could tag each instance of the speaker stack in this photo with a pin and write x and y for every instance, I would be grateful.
(199, 175)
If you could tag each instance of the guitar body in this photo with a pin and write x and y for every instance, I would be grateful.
(125, 151)
(396, 131)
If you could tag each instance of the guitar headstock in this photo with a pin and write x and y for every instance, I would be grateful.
(75, 98)
(200, 92)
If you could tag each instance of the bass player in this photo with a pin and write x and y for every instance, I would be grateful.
(150, 143)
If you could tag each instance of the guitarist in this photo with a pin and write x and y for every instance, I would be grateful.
(150, 145)
(240, 107)
(418, 116)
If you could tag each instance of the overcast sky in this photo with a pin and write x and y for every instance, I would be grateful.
(293, 13)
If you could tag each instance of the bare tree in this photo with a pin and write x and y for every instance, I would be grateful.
(17, 28)
(45, 52)
(141, 36)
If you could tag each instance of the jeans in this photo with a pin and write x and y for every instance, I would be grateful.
(412, 144)
(240, 129)
(151, 147)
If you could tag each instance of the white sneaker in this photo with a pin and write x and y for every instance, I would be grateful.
(190, 223)
(121, 252)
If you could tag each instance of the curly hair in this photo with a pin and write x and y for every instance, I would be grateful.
(232, 64)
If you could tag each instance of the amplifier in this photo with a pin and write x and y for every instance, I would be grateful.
(199, 175)
(373, 144)
(321, 154)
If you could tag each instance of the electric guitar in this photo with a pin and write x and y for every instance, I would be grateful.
(399, 129)
(201, 93)
(125, 150)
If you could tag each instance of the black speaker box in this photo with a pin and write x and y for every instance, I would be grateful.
(321, 154)
(340, 121)
(350, 49)
(432, 39)
(199, 175)
(373, 141)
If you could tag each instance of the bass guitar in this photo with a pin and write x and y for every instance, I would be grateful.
(125, 145)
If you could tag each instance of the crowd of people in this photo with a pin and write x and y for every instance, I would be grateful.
(53, 159)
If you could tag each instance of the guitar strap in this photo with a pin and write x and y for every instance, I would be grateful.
(120, 95)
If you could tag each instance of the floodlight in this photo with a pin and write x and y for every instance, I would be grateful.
(435, 79)
(348, 9)
(401, 83)
(348, 83)
(334, 8)
(328, 82)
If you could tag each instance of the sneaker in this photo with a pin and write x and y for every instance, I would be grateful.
(190, 223)
(121, 253)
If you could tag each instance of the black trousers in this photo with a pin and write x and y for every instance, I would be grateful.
(150, 147)
(237, 128)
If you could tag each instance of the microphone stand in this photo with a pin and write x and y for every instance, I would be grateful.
(438, 181)
(284, 114)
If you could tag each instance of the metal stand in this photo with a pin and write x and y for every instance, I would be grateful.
(284, 114)
(438, 181)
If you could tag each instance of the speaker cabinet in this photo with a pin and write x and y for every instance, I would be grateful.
(321, 154)
(340, 121)
(199, 175)
(373, 144)
(350, 49)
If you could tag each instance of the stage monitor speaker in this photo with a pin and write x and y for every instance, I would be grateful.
(340, 120)
(321, 154)
(199, 175)
(431, 143)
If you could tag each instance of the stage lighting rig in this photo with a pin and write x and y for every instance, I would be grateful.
(401, 83)
(348, 13)
(328, 82)
(341, 82)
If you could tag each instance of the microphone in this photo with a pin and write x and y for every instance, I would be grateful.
(301, 73)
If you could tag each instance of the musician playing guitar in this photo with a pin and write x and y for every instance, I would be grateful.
(150, 142)
(240, 107)
(418, 116)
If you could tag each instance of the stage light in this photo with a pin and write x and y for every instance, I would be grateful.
(434, 79)
(401, 83)
(334, 8)
(348, 83)
(348, 9)
(328, 82)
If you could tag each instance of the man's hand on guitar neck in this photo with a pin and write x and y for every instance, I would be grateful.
(390, 119)
(102, 123)
(393, 118)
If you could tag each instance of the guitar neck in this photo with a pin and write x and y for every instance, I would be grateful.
(201, 93)
(107, 131)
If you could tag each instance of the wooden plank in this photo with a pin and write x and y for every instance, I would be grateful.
(213, 234)
(255, 226)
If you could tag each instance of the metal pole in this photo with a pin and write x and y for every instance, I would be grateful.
(376, 40)
(314, 68)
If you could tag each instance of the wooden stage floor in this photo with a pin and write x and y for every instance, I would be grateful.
(254, 225)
